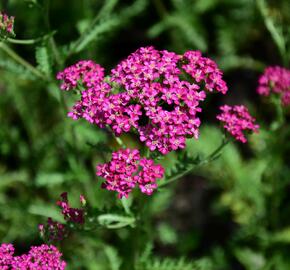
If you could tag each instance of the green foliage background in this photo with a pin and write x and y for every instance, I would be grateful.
(233, 213)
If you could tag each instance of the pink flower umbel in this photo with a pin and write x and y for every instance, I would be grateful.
(84, 73)
(53, 231)
(237, 120)
(6, 25)
(154, 93)
(41, 257)
(126, 170)
(56, 231)
(275, 80)
(75, 215)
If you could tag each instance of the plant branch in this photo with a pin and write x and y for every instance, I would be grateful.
(106, 9)
(214, 155)
(11, 53)
(29, 41)
(52, 42)
(117, 139)
(277, 36)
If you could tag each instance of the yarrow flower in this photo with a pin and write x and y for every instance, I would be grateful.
(44, 257)
(237, 120)
(275, 80)
(56, 231)
(154, 93)
(53, 231)
(127, 170)
(74, 215)
(6, 25)
(85, 73)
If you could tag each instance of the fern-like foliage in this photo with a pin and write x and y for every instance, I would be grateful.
(182, 23)
(43, 59)
(177, 264)
(16, 69)
(105, 22)
(184, 164)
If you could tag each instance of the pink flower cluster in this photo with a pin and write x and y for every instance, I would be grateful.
(74, 215)
(155, 93)
(53, 230)
(56, 231)
(42, 257)
(277, 80)
(126, 170)
(204, 70)
(84, 73)
(6, 24)
(236, 120)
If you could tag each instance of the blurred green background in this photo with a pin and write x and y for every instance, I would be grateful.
(232, 214)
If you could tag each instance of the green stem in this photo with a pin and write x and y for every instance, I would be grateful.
(22, 41)
(105, 10)
(276, 35)
(214, 155)
(163, 14)
(29, 41)
(216, 152)
(280, 119)
(52, 42)
(117, 139)
(22, 62)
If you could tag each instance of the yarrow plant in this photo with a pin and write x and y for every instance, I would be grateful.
(152, 107)
(44, 257)
(127, 170)
(237, 120)
(275, 80)
(154, 93)
(6, 25)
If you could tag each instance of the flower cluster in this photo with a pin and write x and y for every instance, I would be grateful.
(56, 231)
(6, 24)
(53, 230)
(126, 170)
(277, 80)
(236, 120)
(84, 73)
(154, 93)
(75, 215)
(44, 257)
(204, 70)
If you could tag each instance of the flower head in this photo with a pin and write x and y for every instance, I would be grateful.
(154, 93)
(6, 255)
(126, 170)
(53, 230)
(84, 72)
(275, 80)
(46, 257)
(6, 25)
(237, 120)
(74, 215)
(56, 231)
